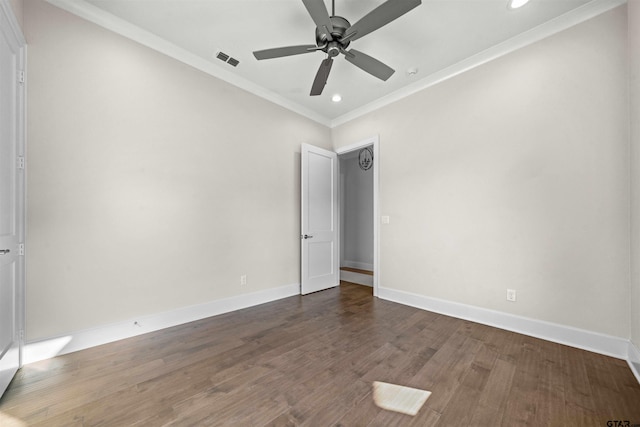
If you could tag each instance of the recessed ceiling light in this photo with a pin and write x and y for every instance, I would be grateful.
(336, 98)
(514, 4)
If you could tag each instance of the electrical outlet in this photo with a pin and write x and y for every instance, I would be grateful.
(243, 279)
(511, 295)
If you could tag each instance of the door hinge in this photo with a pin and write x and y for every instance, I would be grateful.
(20, 162)
(21, 335)
(21, 77)
(21, 249)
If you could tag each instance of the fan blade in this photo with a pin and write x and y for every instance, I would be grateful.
(320, 16)
(379, 17)
(321, 77)
(279, 52)
(369, 64)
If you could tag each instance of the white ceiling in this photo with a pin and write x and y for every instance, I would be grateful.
(440, 38)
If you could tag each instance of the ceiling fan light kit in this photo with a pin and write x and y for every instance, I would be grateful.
(334, 34)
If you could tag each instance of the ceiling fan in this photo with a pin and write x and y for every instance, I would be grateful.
(334, 34)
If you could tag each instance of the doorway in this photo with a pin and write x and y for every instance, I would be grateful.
(358, 165)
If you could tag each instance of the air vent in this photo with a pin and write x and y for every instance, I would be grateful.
(226, 58)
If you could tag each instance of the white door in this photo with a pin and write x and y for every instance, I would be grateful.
(319, 235)
(11, 200)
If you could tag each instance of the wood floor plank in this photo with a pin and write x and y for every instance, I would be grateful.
(312, 360)
(492, 402)
(550, 392)
(361, 413)
(524, 387)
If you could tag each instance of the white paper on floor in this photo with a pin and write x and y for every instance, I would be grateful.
(397, 398)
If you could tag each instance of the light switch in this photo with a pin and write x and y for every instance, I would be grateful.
(385, 219)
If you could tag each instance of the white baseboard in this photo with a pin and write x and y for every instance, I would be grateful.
(357, 264)
(574, 337)
(567, 335)
(633, 359)
(79, 340)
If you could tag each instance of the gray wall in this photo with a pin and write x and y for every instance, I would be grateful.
(147, 190)
(143, 193)
(514, 175)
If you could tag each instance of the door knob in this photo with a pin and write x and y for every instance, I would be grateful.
(4, 251)
(307, 236)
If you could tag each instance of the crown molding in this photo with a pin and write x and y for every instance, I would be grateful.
(549, 28)
(10, 26)
(119, 26)
(106, 20)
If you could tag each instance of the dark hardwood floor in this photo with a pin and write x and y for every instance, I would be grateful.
(311, 361)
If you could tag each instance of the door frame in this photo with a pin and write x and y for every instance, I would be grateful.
(375, 142)
(12, 33)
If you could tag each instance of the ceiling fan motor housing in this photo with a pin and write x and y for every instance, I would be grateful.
(340, 27)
